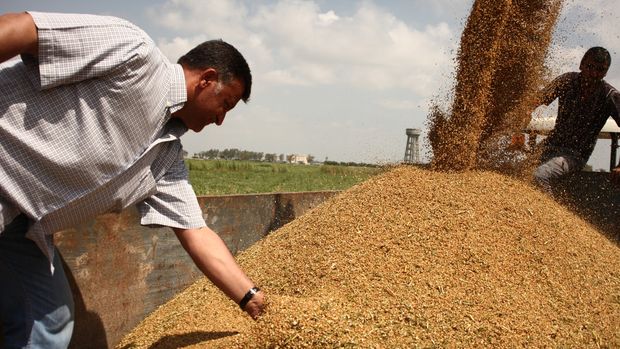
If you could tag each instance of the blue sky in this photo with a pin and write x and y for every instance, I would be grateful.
(338, 79)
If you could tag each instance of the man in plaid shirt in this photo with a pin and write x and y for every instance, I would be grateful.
(90, 122)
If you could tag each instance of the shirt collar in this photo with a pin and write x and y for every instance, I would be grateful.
(177, 96)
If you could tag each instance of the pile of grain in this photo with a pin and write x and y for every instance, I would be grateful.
(500, 69)
(415, 258)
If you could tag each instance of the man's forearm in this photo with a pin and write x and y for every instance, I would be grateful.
(214, 259)
(18, 35)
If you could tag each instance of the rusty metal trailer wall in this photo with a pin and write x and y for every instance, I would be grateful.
(120, 271)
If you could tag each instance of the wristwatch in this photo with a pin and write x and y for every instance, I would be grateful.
(244, 301)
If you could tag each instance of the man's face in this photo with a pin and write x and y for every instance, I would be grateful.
(212, 101)
(592, 70)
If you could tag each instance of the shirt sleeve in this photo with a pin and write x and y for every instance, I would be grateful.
(175, 204)
(613, 100)
(74, 48)
(554, 90)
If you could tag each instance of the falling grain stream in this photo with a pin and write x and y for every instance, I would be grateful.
(500, 66)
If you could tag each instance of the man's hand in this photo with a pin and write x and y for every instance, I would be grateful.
(615, 175)
(517, 142)
(256, 305)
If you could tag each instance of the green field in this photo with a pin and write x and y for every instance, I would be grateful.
(223, 177)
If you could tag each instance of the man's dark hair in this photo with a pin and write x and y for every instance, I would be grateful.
(223, 57)
(597, 54)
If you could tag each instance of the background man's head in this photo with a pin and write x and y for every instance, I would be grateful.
(595, 63)
(224, 58)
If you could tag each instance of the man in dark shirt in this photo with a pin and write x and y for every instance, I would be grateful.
(586, 101)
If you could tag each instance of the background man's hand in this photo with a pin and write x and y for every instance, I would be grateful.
(615, 176)
(517, 142)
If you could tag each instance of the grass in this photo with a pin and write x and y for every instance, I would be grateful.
(223, 177)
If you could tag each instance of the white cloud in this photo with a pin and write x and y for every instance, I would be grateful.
(283, 77)
(327, 18)
(397, 104)
(448, 8)
(175, 48)
(295, 42)
(212, 17)
(407, 104)
(328, 83)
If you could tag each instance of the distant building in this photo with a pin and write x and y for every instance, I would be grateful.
(412, 149)
(299, 159)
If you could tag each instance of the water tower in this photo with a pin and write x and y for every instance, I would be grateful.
(412, 151)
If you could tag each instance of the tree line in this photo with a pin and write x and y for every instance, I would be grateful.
(236, 154)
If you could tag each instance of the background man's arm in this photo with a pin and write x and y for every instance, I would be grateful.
(18, 35)
(615, 176)
(214, 259)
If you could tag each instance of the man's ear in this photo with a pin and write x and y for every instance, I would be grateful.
(207, 76)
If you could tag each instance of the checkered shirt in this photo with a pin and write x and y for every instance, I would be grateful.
(85, 129)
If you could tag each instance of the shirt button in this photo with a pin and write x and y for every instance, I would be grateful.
(168, 104)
